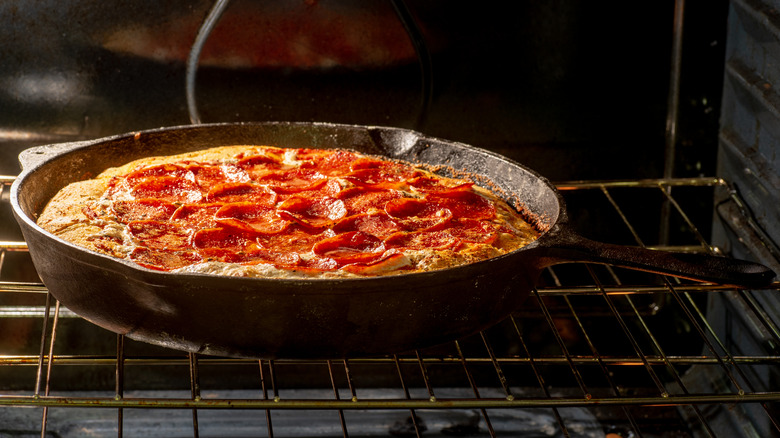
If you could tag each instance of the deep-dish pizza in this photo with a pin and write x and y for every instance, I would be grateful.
(285, 213)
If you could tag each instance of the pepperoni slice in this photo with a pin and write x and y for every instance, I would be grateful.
(164, 260)
(251, 217)
(271, 151)
(330, 189)
(312, 212)
(253, 257)
(260, 165)
(224, 239)
(418, 214)
(197, 216)
(294, 239)
(335, 162)
(351, 247)
(208, 175)
(380, 173)
(267, 159)
(159, 170)
(422, 240)
(168, 188)
(242, 191)
(377, 224)
(288, 260)
(377, 178)
(473, 230)
(279, 259)
(465, 204)
(159, 235)
(293, 180)
(363, 200)
(315, 264)
(153, 209)
(390, 260)
(376, 163)
(440, 185)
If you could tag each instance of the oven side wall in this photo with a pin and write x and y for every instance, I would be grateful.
(749, 158)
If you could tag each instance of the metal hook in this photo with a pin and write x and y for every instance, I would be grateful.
(192, 60)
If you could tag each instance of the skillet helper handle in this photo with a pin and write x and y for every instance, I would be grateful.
(34, 156)
(571, 247)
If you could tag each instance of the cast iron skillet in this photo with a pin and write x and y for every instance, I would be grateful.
(324, 318)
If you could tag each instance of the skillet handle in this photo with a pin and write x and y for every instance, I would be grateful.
(568, 246)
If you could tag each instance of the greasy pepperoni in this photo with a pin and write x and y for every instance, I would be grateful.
(251, 217)
(351, 247)
(473, 230)
(389, 260)
(380, 173)
(159, 235)
(250, 257)
(317, 263)
(376, 163)
(294, 239)
(197, 216)
(363, 200)
(241, 191)
(377, 224)
(163, 260)
(377, 178)
(293, 180)
(279, 259)
(267, 160)
(331, 189)
(465, 204)
(209, 175)
(222, 238)
(206, 175)
(261, 165)
(430, 184)
(418, 214)
(155, 209)
(327, 162)
(312, 212)
(169, 170)
(268, 151)
(422, 240)
(168, 188)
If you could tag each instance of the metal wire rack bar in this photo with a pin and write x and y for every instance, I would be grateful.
(628, 361)
(339, 404)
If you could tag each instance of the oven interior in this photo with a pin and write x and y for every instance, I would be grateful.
(563, 87)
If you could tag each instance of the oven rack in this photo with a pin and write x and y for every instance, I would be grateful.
(595, 350)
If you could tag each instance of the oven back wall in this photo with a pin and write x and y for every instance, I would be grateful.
(568, 87)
